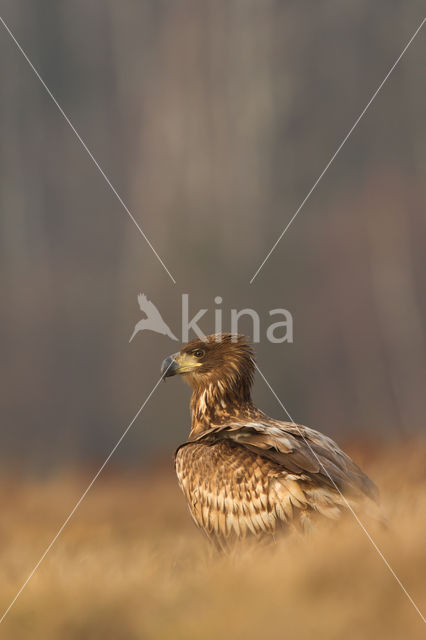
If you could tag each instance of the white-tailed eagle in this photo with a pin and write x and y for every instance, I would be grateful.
(243, 473)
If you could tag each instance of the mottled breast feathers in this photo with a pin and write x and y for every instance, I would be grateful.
(259, 478)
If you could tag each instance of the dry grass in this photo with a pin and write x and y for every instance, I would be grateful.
(131, 565)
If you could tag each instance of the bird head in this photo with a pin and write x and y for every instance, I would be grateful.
(223, 358)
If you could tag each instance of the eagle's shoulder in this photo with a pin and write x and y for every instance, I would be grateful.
(294, 449)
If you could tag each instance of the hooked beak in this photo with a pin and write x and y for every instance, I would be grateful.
(170, 366)
(178, 363)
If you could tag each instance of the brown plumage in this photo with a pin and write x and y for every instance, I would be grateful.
(243, 473)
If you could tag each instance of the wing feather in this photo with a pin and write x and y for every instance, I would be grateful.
(298, 449)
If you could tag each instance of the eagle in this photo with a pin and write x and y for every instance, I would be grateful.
(244, 474)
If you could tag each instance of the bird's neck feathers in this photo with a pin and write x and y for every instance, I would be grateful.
(217, 401)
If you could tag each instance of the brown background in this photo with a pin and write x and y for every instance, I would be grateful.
(212, 120)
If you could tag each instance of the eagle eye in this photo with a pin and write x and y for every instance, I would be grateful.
(198, 353)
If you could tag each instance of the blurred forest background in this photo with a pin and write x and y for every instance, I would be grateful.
(212, 119)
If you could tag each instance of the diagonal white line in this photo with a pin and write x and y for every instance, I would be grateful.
(83, 495)
(90, 154)
(344, 499)
(330, 162)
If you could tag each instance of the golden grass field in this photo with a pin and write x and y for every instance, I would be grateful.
(131, 565)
